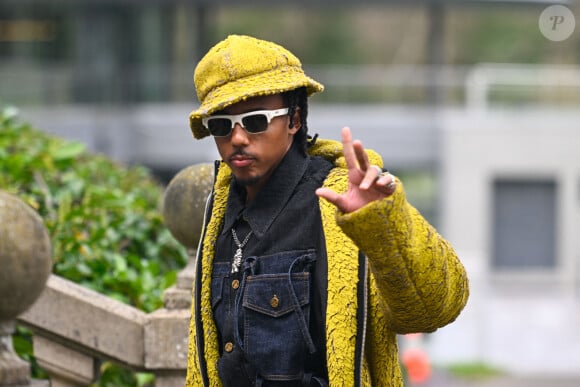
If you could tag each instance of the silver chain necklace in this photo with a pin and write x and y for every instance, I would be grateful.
(236, 263)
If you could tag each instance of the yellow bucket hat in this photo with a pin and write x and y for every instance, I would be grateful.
(241, 67)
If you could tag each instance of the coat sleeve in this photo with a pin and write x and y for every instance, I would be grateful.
(420, 279)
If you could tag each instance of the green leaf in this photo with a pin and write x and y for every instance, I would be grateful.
(145, 379)
(68, 150)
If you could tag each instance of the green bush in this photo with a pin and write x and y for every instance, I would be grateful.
(103, 219)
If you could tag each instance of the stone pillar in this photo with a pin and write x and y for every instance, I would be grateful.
(183, 210)
(26, 262)
(166, 332)
(66, 366)
(12, 368)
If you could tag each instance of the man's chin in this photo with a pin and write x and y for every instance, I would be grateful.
(247, 181)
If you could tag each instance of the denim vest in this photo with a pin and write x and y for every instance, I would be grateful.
(270, 311)
(269, 315)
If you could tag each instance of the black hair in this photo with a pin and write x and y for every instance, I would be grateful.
(299, 98)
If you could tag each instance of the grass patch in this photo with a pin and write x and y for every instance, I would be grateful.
(474, 371)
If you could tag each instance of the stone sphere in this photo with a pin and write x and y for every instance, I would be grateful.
(25, 256)
(184, 202)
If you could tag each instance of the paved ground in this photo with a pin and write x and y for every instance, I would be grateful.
(440, 379)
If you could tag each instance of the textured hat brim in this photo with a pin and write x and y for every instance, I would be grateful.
(275, 81)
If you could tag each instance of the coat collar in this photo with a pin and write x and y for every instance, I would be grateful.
(272, 197)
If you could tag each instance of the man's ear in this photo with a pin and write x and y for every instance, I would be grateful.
(296, 122)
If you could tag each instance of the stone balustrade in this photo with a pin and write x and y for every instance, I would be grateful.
(25, 259)
(76, 328)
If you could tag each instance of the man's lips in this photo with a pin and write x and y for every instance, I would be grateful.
(241, 161)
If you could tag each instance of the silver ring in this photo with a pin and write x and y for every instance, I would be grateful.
(392, 184)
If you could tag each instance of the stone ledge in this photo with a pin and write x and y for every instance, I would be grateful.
(75, 315)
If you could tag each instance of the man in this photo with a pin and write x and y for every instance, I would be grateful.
(311, 260)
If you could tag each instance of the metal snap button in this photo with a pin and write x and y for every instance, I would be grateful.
(274, 301)
(229, 347)
(235, 284)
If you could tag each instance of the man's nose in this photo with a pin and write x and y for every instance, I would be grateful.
(239, 135)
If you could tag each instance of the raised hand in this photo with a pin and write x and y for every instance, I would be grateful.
(367, 182)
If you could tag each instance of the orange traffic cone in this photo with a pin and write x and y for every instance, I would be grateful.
(415, 359)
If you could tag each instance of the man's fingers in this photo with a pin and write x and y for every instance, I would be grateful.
(372, 174)
(361, 155)
(387, 183)
(348, 148)
(332, 197)
(354, 152)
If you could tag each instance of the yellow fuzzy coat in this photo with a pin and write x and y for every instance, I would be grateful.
(409, 280)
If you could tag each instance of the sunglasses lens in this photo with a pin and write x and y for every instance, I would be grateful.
(255, 123)
(219, 126)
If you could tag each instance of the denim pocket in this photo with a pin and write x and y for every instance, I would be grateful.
(269, 294)
(276, 311)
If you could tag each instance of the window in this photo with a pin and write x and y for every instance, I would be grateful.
(524, 224)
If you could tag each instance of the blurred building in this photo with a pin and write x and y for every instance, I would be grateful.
(501, 181)
(511, 207)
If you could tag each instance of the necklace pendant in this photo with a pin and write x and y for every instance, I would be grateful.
(237, 260)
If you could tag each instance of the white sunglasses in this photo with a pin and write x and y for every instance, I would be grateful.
(253, 122)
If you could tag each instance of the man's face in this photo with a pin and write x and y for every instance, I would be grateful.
(253, 157)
